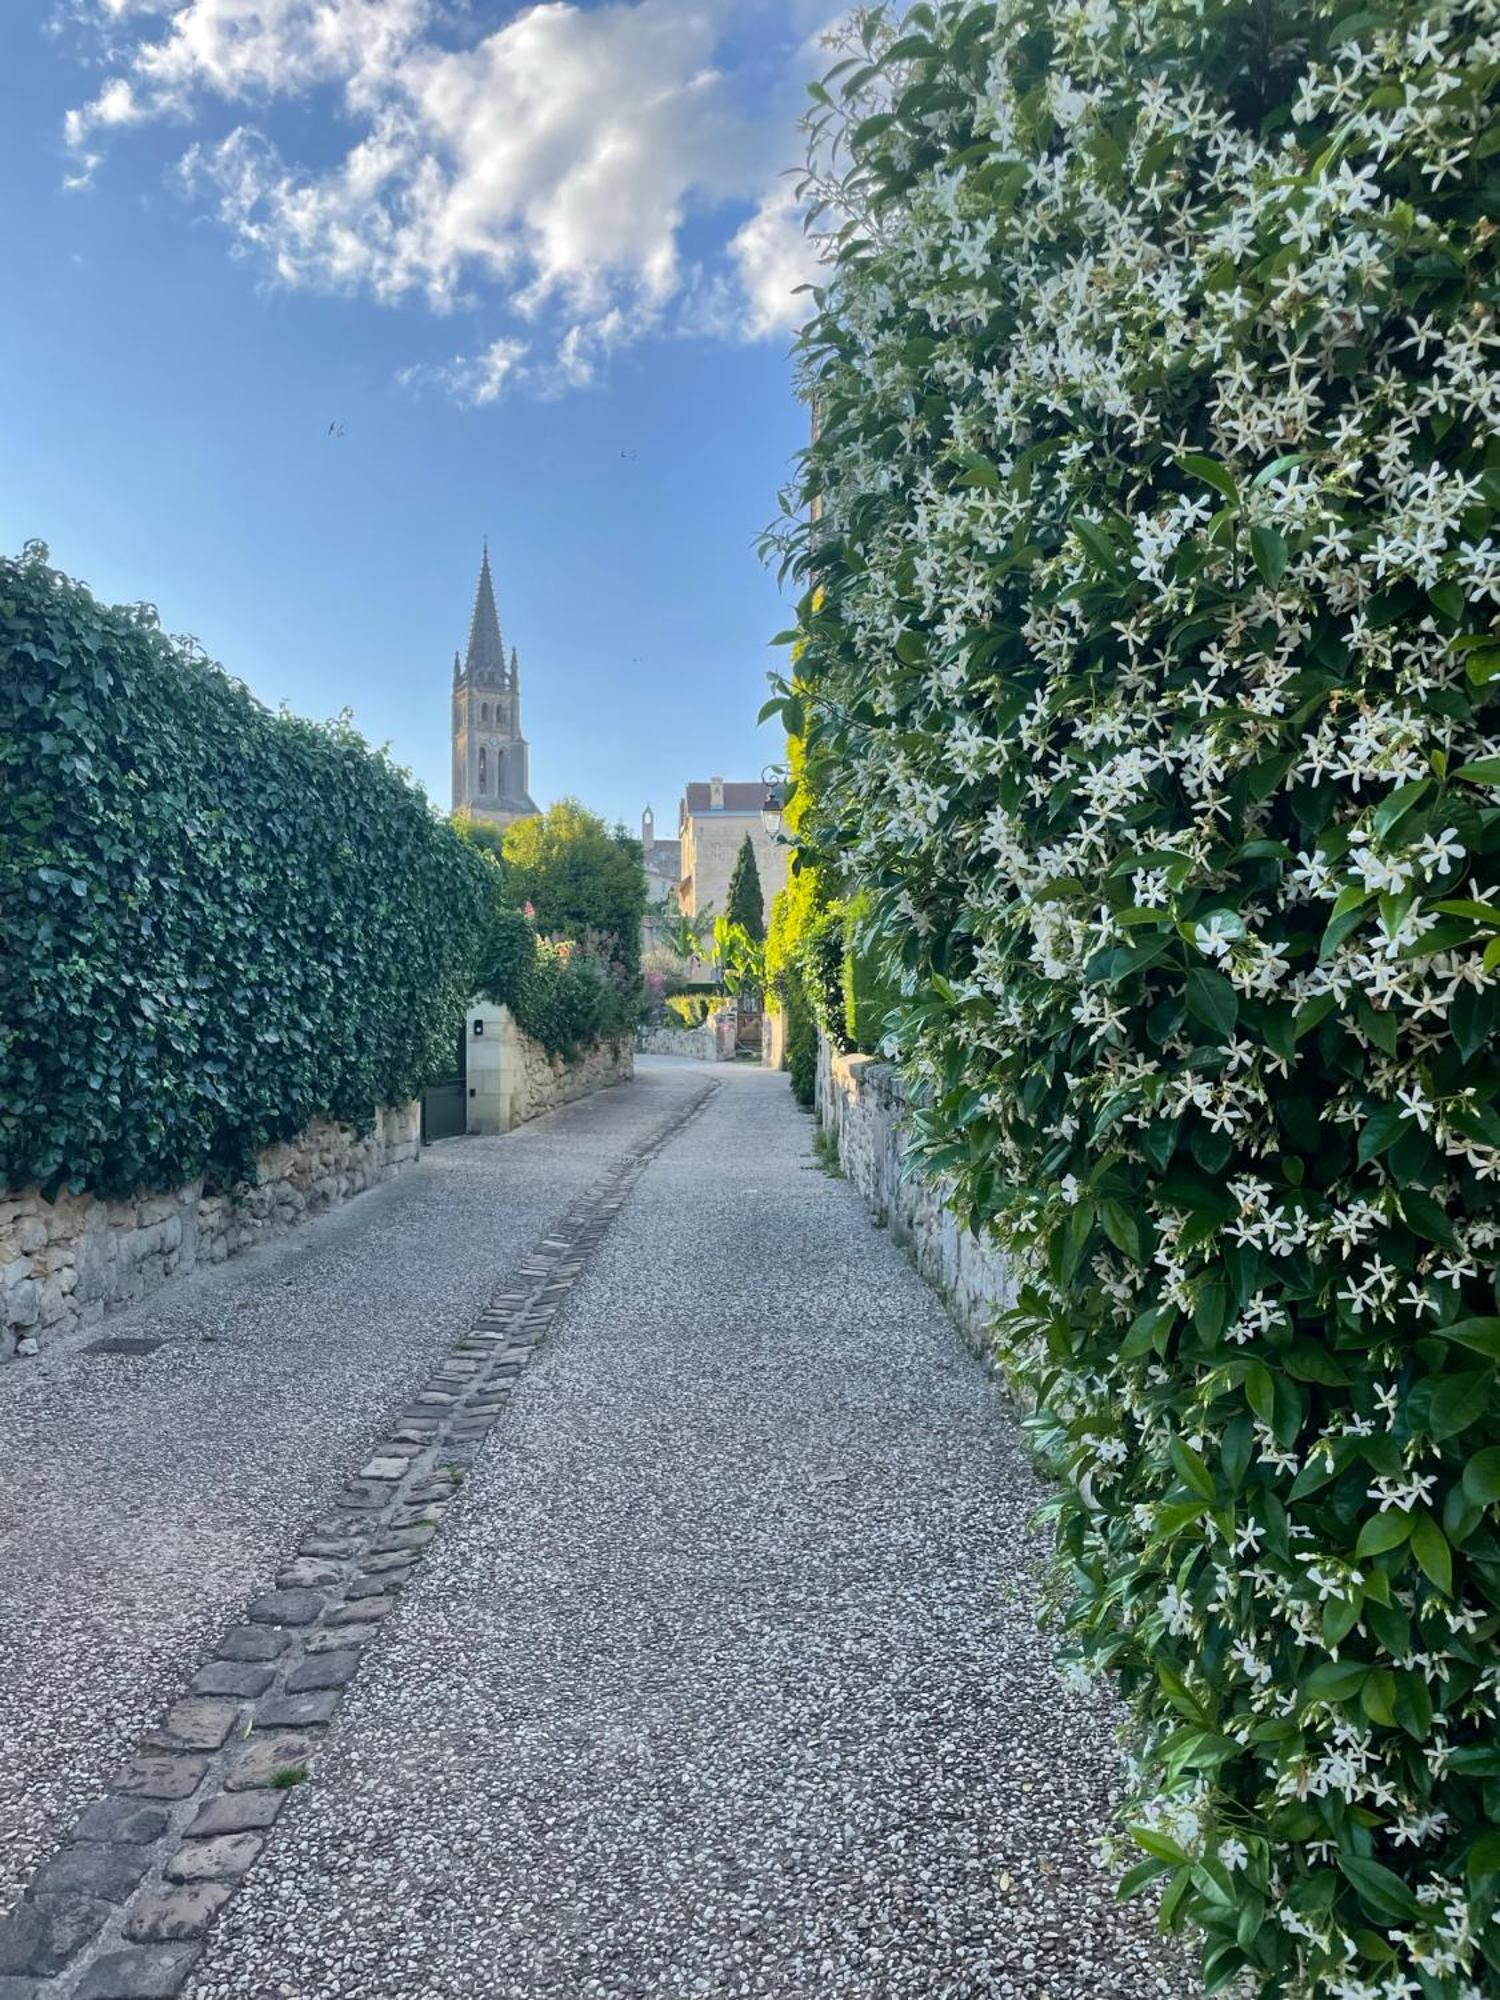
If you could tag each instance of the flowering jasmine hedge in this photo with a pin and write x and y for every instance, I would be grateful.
(1147, 677)
(215, 924)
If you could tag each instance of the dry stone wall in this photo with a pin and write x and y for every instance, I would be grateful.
(861, 1101)
(543, 1082)
(65, 1263)
(512, 1078)
(711, 1041)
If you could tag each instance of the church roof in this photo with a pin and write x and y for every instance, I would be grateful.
(485, 659)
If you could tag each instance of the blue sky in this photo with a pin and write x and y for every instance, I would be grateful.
(534, 263)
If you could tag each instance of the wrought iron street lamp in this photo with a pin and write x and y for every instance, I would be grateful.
(773, 804)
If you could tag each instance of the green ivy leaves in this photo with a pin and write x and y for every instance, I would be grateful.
(215, 924)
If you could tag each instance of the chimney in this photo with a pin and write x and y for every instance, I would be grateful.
(716, 794)
(648, 827)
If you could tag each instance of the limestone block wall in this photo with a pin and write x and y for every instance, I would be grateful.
(860, 1100)
(711, 1041)
(512, 1078)
(65, 1263)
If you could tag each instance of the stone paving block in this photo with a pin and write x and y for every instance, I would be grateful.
(237, 1812)
(343, 1635)
(138, 1975)
(183, 1912)
(221, 1857)
(364, 1608)
(195, 1724)
(308, 1573)
(93, 1869)
(324, 1670)
(251, 1642)
(298, 1711)
(333, 1548)
(366, 1499)
(265, 1756)
(229, 1677)
(120, 1819)
(161, 1777)
(366, 1586)
(42, 1934)
(401, 1538)
(393, 1562)
(287, 1607)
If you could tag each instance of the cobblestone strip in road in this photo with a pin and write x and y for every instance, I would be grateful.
(120, 1911)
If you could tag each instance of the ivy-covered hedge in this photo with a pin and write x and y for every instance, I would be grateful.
(1147, 681)
(215, 924)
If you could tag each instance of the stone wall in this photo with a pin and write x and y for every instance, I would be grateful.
(862, 1103)
(711, 1041)
(512, 1079)
(65, 1263)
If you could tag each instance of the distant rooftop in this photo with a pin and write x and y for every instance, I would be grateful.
(737, 797)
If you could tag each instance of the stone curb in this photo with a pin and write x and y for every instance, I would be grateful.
(121, 1910)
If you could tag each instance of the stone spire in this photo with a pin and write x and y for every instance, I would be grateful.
(485, 660)
(515, 668)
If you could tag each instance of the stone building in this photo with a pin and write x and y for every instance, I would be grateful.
(662, 861)
(491, 757)
(712, 822)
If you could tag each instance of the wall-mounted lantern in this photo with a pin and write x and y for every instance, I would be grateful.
(773, 804)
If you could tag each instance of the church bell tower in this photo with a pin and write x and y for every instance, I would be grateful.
(491, 758)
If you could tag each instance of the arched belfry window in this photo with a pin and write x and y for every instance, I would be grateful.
(484, 781)
(484, 712)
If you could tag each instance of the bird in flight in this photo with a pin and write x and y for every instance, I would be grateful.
(335, 429)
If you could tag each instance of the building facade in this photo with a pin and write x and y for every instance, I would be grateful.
(662, 861)
(712, 822)
(491, 757)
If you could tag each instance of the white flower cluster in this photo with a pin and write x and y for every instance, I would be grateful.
(1147, 661)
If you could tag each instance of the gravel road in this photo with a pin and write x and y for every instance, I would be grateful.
(722, 1677)
(144, 1501)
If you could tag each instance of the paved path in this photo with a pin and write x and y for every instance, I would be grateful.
(720, 1675)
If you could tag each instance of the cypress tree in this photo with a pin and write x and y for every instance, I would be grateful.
(747, 905)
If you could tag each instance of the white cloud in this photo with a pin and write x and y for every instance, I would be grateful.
(775, 258)
(476, 379)
(547, 171)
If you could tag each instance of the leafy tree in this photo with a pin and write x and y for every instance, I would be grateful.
(742, 959)
(483, 834)
(579, 877)
(747, 905)
(680, 932)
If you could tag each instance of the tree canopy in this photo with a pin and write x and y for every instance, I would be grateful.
(579, 876)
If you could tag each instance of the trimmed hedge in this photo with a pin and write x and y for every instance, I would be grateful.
(215, 924)
(1149, 669)
(820, 966)
(869, 997)
(801, 1046)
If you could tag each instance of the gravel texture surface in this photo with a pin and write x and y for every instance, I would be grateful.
(145, 1500)
(722, 1677)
